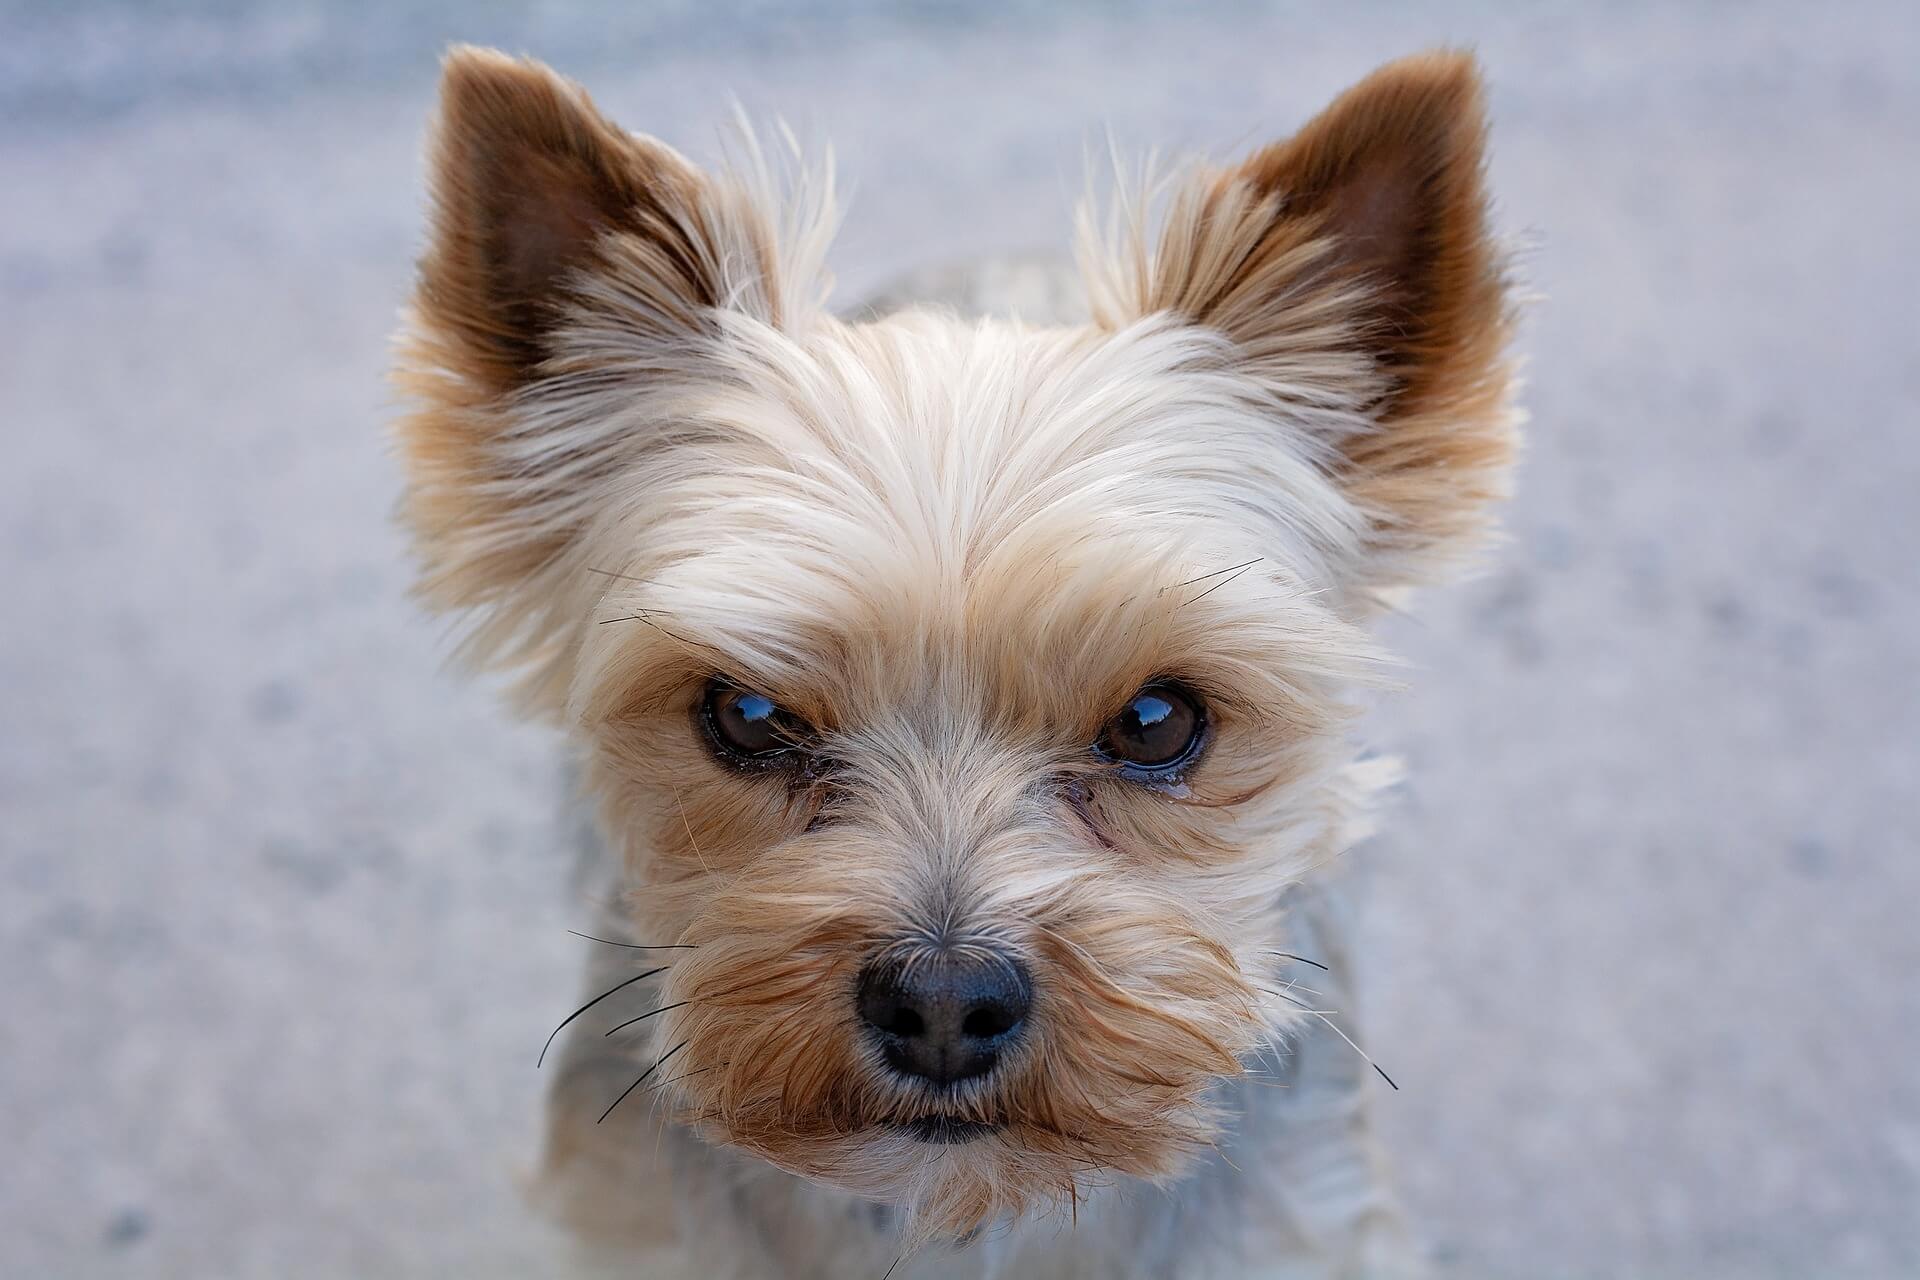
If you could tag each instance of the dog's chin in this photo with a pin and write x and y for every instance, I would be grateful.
(947, 1131)
(949, 1173)
(953, 1175)
(951, 1170)
(891, 1154)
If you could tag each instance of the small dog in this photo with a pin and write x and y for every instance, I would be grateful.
(965, 704)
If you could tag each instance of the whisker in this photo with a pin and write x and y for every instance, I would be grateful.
(1288, 955)
(636, 946)
(689, 645)
(588, 1005)
(624, 577)
(1335, 1028)
(685, 1075)
(643, 1078)
(1223, 582)
(1217, 572)
(681, 805)
(643, 1017)
(1290, 1000)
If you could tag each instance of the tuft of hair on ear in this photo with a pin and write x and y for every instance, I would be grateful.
(577, 279)
(1353, 268)
(528, 181)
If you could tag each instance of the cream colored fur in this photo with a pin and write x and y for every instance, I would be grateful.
(644, 457)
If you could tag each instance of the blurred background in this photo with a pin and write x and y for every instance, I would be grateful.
(283, 904)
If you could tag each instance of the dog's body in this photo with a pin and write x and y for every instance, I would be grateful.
(962, 701)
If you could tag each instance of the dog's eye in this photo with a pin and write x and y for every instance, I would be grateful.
(1160, 729)
(746, 726)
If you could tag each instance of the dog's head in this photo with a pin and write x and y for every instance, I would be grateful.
(963, 695)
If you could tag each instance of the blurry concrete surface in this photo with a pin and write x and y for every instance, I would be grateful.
(282, 905)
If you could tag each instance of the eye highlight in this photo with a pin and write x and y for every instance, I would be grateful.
(750, 729)
(1161, 728)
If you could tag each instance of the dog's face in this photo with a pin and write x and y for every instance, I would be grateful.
(963, 695)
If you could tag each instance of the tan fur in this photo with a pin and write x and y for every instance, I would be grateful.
(1357, 253)
(641, 456)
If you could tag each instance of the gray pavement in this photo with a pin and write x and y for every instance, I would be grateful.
(282, 905)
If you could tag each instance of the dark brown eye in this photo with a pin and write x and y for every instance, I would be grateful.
(747, 727)
(1160, 729)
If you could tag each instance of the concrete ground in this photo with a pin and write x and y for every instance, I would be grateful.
(282, 906)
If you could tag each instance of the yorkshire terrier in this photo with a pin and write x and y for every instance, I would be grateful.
(964, 704)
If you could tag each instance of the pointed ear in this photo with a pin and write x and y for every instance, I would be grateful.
(1353, 261)
(577, 278)
(531, 187)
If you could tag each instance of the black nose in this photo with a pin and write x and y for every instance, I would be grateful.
(945, 1016)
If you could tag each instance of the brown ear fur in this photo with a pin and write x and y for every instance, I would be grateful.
(1395, 170)
(1357, 254)
(527, 178)
(536, 200)
(577, 279)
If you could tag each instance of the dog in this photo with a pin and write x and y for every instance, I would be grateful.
(963, 707)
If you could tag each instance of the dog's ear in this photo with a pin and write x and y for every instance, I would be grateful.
(533, 191)
(1352, 264)
(575, 279)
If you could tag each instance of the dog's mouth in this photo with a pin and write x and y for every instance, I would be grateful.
(946, 1131)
